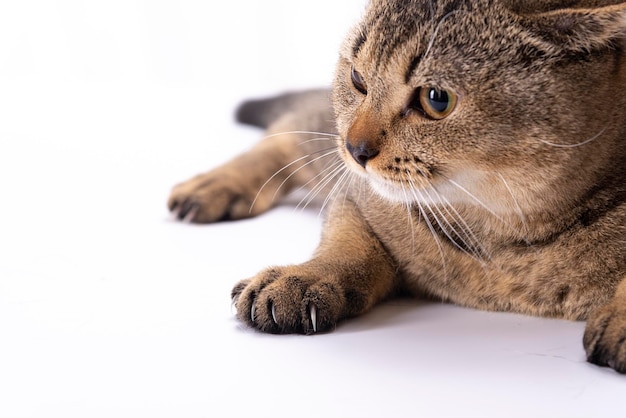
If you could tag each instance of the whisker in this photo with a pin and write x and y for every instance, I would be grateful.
(447, 211)
(349, 185)
(335, 189)
(304, 157)
(334, 166)
(474, 243)
(495, 215)
(441, 225)
(433, 232)
(331, 135)
(467, 238)
(314, 193)
(518, 208)
(317, 140)
(477, 200)
(579, 144)
(333, 172)
(410, 218)
(331, 151)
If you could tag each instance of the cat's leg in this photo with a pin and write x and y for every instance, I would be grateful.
(349, 274)
(299, 144)
(605, 335)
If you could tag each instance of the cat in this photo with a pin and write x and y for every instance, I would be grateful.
(469, 151)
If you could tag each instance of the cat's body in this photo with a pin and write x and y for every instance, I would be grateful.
(479, 158)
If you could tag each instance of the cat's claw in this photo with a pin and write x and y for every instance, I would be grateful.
(233, 304)
(274, 314)
(313, 313)
(189, 217)
(252, 312)
(185, 211)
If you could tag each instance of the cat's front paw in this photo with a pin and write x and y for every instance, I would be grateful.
(213, 197)
(605, 337)
(289, 300)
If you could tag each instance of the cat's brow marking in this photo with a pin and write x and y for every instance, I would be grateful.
(361, 39)
(412, 66)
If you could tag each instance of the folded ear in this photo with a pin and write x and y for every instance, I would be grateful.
(574, 30)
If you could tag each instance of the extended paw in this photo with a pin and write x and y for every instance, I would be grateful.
(212, 197)
(289, 300)
(605, 337)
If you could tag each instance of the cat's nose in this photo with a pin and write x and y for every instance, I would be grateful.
(362, 152)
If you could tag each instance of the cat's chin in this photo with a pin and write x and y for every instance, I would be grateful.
(459, 189)
(398, 194)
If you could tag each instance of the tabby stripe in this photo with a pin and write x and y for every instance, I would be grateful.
(359, 43)
(414, 63)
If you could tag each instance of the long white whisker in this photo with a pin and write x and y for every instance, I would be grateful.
(474, 242)
(477, 248)
(580, 144)
(348, 184)
(470, 249)
(304, 157)
(301, 167)
(301, 133)
(432, 231)
(477, 200)
(422, 194)
(335, 189)
(518, 208)
(329, 167)
(495, 215)
(410, 217)
(317, 140)
(312, 194)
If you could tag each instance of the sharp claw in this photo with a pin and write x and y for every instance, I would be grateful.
(313, 313)
(233, 305)
(191, 214)
(274, 314)
(252, 312)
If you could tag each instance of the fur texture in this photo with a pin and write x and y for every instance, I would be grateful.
(471, 151)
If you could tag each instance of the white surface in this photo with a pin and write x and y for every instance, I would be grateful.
(110, 309)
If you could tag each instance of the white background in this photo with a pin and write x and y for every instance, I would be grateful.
(110, 309)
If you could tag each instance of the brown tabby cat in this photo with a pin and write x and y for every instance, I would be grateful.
(474, 152)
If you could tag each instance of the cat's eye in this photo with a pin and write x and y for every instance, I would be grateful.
(434, 103)
(358, 81)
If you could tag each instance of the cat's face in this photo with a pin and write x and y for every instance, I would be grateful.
(469, 98)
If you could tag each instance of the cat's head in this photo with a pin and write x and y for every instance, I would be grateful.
(473, 99)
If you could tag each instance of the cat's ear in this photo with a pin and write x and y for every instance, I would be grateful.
(575, 30)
